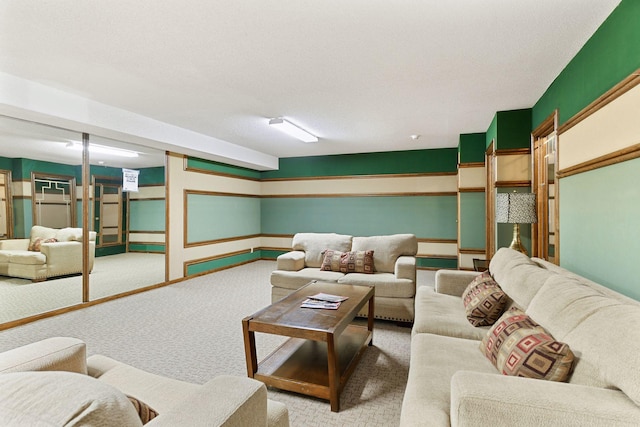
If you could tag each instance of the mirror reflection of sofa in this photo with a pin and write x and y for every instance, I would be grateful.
(48, 252)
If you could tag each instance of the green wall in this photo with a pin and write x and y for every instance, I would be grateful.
(472, 221)
(600, 228)
(424, 216)
(513, 129)
(472, 147)
(213, 217)
(397, 162)
(612, 54)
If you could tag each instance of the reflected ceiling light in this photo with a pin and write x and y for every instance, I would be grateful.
(292, 130)
(101, 149)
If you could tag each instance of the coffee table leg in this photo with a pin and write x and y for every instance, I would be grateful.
(334, 375)
(250, 348)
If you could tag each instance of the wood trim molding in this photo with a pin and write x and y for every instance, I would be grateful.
(427, 240)
(471, 165)
(619, 156)
(219, 193)
(420, 240)
(146, 232)
(477, 251)
(609, 96)
(471, 190)
(303, 196)
(350, 177)
(225, 240)
(547, 127)
(422, 256)
(186, 264)
(502, 184)
(185, 161)
(513, 151)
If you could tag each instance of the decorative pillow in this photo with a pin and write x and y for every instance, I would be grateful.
(518, 346)
(36, 243)
(357, 262)
(145, 412)
(331, 260)
(484, 301)
(348, 262)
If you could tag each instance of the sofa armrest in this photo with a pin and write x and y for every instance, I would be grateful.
(453, 282)
(51, 354)
(225, 400)
(479, 397)
(290, 261)
(405, 268)
(14, 244)
(62, 253)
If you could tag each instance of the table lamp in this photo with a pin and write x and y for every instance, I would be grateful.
(516, 208)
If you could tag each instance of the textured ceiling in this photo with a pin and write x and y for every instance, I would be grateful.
(362, 75)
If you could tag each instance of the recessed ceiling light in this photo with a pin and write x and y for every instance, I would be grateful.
(414, 137)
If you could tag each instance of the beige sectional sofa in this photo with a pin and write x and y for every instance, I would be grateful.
(48, 252)
(452, 383)
(52, 382)
(394, 276)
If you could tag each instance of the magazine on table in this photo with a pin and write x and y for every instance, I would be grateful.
(325, 301)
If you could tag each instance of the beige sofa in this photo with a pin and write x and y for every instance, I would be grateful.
(394, 275)
(45, 259)
(452, 383)
(46, 383)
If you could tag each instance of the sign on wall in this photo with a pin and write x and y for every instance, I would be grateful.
(130, 180)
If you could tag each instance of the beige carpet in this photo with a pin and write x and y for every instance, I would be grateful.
(192, 331)
(111, 275)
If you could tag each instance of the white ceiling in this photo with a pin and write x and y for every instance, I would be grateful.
(362, 75)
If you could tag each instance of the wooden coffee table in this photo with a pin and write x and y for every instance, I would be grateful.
(324, 347)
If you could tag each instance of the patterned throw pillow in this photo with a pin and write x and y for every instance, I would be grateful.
(36, 244)
(145, 412)
(331, 260)
(484, 301)
(348, 262)
(518, 346)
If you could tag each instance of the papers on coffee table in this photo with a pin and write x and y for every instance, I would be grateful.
(325, 301)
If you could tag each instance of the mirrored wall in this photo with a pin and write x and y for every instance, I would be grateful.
(43, 200)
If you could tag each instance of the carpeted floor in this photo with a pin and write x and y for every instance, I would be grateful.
(192, 331)
(111, 275)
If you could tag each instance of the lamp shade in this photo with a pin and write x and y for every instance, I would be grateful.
(516, 208)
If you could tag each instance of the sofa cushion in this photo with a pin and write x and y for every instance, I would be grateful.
(62, 398)
(27, 258)
(518, 346)
(442, 314)
(518, 276)
(314, 244)
(296, 279)
(387, 249)
(42, 232)
(563, 303)
(607, 349)
(386, 284)
(434, 360)
(348, 262)
(69, 234)
(484, 302)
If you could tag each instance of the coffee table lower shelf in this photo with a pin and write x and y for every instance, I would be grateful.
(301, 365)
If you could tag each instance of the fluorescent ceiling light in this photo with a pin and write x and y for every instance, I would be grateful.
(101, 149)
(292, 130)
